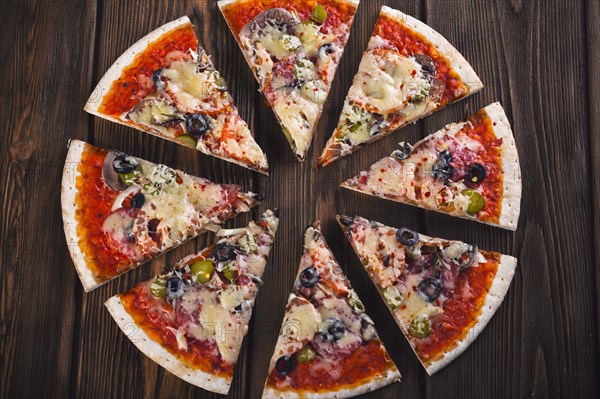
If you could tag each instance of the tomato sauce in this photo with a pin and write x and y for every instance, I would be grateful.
(460, 313)
(240, 13)
(93, 204)
(408, 42)
(491, 188)
(368, 360)
(154, 315)
(135, 82)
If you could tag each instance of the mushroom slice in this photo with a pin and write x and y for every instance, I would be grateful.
(275, 17)
(110, 176)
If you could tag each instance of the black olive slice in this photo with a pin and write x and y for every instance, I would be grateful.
(174, 288)
(429, 289)
(137, 201)
(285, 365)
(309, 277)
(443, 172)
(403, 152)
(197, 125)
(427, 64)
(476, 174)
(334, 330)
(442, 168)
(157, 79)
(223, 252)
(123, 164)
(407, 236)
(445, 156)
(346, 220)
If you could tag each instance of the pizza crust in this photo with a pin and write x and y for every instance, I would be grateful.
(511, 169)
(502, 280)
(391, 376)
(161, 356)
(116, 70)
(222, 4)
(67, 199)
(301, 156)
(504, 275)
(454, 58)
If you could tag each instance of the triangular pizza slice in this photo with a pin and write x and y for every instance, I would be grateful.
(166, 85)
(192, 318)
(442, 293)
(408, 71)
(121, 211)
(468, 169)
(294, 48)
(328, 346)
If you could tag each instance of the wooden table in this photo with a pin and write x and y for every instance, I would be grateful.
(539, 58)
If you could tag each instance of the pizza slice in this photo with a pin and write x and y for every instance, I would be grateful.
(442, 293)
(328, 346)
(294, 48)
(408, 71)
(469, 170)
(120, 211)
(166, 85)
(192, 318)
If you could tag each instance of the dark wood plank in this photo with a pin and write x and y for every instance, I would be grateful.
(57, 341)
(46, 73)
(593, 37)
(520, 56)
(107, 362)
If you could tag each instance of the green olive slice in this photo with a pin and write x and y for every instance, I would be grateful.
(203, 270)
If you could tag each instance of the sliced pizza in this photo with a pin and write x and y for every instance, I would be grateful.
(294, 48)
(120, 211)
(468, 169)
(328, 346)
(192, 318)
(166, 85)
(441, 293)
(408, 71)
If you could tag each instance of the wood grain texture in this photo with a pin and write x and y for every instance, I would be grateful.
(521, 58)
(40, 109)
(593, 58)
(56, 341)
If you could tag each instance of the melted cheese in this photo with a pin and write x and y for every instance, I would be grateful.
(302, 320)
(193, 90)
(300, 324)
(182, 208)
(224, 329)
(276, 42)
(241, 146)
(412, 179)
(373, 245)
(298, 115)
(152, 112)
(412, 304)
(232, 297)
(386, 80)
